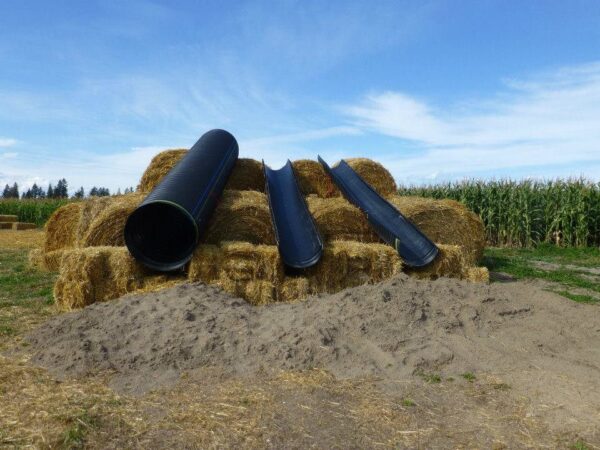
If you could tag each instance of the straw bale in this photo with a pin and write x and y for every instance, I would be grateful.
(294, 288)
(205, 264)
(52, 260)
(107, 228)
(8, 218)
(312, 179)
(450, 262)
(241, 216)
(252, 272)
(338, 219)
(160, 165)
(244, 261)
(347, 263)
(477, 274)
(6, 225)
(23, 226)
(446, 222)
(97, 274)
(375, 174)
(255, 292)
(91, 208)
(61, 227)
(247, 175)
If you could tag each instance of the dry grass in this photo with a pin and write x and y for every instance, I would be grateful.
(21, 239)
(247, 175)
(160, 165)
(338, 219)
(241, 216)
(375, 174)
(446, 222)
(61, 228)
(313, 179)
(108, 227)
(21, 226)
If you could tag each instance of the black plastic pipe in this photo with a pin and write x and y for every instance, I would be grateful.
(164, 230)
(298, 238)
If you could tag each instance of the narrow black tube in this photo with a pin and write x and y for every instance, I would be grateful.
(164, 230)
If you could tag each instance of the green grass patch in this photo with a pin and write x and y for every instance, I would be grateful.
(469, 376)
(408, 402)
(25, 294)
(569, 272)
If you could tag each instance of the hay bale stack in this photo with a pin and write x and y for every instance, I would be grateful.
(247, 175)
(97, 274)
(241, 216)
(346, 264)
(446, 222)
(375, 174)
(252, 272)
(91, 208)
(51, 260)
(312, 179)
(6, 225)
(35, 259)
(160, 165)
(61, 227)
(107, 228)
(8, 218)
(338, 219)
(294, 288)
(23, 226)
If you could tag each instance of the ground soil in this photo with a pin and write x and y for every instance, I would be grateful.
(531, 353)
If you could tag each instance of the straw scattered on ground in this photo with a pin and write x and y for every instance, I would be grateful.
(22, 239)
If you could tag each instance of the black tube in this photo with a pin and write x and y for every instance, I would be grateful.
(164, 230)
(298, 238)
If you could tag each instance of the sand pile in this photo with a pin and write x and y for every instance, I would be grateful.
(392, 329)
(238, 251)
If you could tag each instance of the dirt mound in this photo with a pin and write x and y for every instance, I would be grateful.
(393, 329)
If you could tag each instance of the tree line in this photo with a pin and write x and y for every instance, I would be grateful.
(61, 190)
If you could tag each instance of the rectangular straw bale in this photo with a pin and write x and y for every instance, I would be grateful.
(205, 264)
(24, 226)
(35, 259)
(8, 218)
(245, 261)
(294, 288)
(256, 292)
(347, 263)
(52, 260)
(450, 262)
(477, 274)
(6, 225)
(96, 274)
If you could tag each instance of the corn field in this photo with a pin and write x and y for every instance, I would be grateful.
(34, 211)
(525, 213)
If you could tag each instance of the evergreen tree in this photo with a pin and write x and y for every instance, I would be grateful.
(61, 190)
(27, 194)
(6, 192)
(50, 191)
(14, 191)
(80, 193)
(94, 192)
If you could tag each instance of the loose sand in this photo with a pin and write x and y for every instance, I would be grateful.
(542, 345)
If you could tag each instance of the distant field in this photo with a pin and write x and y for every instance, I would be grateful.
(34, 211)
(525, 213)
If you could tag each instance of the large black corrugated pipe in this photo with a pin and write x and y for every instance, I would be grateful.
(164, 230)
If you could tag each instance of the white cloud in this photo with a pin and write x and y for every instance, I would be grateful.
(7, 142)
(550, 120)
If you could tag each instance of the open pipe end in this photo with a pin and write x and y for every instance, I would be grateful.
(161, 235)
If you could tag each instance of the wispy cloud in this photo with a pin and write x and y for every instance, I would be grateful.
(8, 142)
(548, 120)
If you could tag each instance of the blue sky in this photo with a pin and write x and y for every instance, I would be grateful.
(435, 90)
